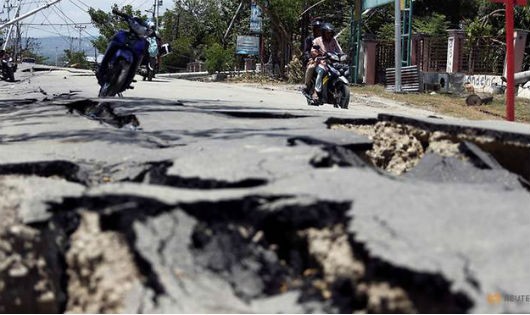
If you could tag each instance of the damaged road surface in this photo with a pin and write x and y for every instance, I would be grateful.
(233, 204)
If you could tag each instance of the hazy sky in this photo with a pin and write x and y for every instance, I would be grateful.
(74, 11)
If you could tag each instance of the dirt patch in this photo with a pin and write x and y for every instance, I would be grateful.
(384, 298)
(9, 204)
(101, 269)
(398, 148)
(400, 144)
(27, 283)
(332, 250)
(342, 268)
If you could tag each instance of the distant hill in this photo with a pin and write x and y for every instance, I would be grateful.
(50, 45)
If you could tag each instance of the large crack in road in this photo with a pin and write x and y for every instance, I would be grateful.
(253, 211)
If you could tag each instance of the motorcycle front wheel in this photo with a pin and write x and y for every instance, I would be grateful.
(9, 74)
(118, 78)
(342, 98)
(151, 69)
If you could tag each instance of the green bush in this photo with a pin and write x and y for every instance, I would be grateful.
(218, 58)
(76, 59)
(181, 55)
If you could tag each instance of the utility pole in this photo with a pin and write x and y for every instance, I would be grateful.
(9, 7)
(18, 41)
(80, 28)
(159, 3)
(156, 12)
(177, 26)
(232, 22)
(30, 13)
(510, 62)
(398, 45)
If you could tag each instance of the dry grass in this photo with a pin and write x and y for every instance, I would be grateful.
(446, 104)
(451, 105)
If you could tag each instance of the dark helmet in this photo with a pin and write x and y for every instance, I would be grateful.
(317, 23)
(326, 27)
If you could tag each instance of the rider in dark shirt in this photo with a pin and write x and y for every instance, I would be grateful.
(308, 44)
(307, 58)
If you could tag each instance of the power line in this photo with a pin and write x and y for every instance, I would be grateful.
(86, 5)
(55, 29)
(57, 24)
(72, 2)
(76, 24)
(52, 32)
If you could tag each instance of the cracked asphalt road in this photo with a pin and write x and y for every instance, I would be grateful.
(219, 198)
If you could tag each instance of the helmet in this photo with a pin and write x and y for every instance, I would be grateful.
(317, 23)
(151, 24)
(328, 28)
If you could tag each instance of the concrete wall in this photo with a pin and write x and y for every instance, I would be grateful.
(484, 83)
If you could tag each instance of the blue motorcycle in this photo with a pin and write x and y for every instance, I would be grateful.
(123, 56)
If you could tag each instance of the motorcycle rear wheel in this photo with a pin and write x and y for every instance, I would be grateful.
(151, 75)
(118, 79)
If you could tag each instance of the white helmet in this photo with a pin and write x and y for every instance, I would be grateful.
(151, 24)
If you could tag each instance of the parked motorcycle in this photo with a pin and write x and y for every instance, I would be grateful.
(9, 67)
(123, 57)
(335, 85)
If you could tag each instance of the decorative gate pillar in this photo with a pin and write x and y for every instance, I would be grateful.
(520, 45)
(414, 53)
(370, 61)
(454, 50)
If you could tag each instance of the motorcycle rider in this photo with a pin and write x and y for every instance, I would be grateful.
(308, 60)
(7, 72)
(308, 44)
(155, 42)
(327, 43)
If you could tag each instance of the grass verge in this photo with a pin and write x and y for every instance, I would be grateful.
(452, 105)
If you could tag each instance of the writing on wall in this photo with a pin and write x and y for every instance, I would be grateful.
(483, 82)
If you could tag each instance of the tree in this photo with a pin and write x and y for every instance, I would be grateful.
(76, 59)
(195, 25)
(219, 58)
(30, 48)
(434, 25)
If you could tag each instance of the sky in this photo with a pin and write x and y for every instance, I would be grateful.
(70, 11)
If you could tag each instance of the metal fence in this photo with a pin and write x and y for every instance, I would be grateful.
(430, 55)
(385, 59)
(486, 56)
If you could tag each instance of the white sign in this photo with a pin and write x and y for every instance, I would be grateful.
(247, 45)
(450, 54)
